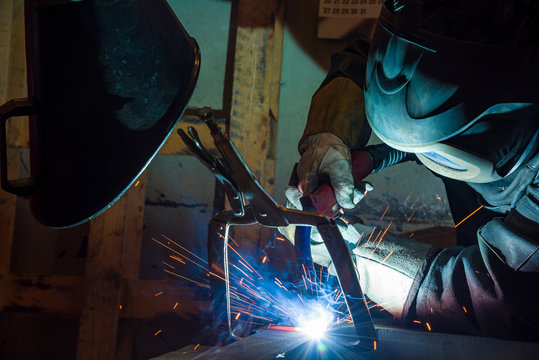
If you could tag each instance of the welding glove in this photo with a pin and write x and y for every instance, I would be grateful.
(391, 268)
(326, 154)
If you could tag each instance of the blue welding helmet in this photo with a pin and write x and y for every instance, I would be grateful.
(468, 109)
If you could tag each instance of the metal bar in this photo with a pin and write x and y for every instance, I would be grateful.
(349, 281)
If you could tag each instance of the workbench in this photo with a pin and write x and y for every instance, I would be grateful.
(394, 344)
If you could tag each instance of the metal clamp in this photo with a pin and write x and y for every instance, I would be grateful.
(252, 205)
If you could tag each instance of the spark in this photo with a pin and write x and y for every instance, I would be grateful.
(174, 257)
(410, 216)
(241, 257)
(428, 326)
(417, 321)
(431, 311)
(467, 217)
(374, 344)
(464, 308)
(414, 203)
(247, 267)
(167, 264)
(379, 241)
(184, 249)
(264, 259)
(230, 238)
(217, 276)
(359, 240)
(384, 212)
(138, 182)
(338, 297)
(244, 273)
(374, 228)
(412, 234)
(280, 238)
(237, 316)
(159, 293)
(196, 347)
(377, 236)
(254, 323)
(120, 307)
(405, 201)
(157, 333)
(175, 306)
(387, 257)
(282, 328)
(183, 277)
(185, 257)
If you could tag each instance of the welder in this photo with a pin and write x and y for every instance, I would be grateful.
(453, 85)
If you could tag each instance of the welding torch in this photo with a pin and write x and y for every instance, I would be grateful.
(323, 201)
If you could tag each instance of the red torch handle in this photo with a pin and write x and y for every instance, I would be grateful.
(323, 200)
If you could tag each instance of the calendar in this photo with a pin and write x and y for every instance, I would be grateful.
(338, 19)
(350, 8)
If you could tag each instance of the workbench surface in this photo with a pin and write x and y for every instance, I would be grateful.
(394, 343)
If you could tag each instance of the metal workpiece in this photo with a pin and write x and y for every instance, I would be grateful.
(252, 205)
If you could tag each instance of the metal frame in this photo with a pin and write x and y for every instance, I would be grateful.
(252, 205)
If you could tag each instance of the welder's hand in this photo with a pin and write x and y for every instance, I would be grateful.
(326, 153)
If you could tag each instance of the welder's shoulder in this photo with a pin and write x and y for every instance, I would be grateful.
(350, 62)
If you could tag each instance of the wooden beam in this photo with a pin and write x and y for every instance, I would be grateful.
(132, 246)
(252, 126)
(133, 229)
(103, 273)
(6, 19)
(255, 99)
(43, 294)
(17, 131)
(63, 294)
(7, 201)
(7, 214)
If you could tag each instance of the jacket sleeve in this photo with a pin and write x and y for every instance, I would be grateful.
(338, 105)
(491, 288)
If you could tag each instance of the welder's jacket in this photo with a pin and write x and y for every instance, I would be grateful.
(496, 279)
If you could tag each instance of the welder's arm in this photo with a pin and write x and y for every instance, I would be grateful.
(488, 289)
(497, 281)
(336, 125)
(338, 106)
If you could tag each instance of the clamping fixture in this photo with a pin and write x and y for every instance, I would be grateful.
(250, 204)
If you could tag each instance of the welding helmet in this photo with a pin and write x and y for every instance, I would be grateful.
(468, 109)
(107, 82)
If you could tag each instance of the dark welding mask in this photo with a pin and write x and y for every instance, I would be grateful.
(107, 83)
(468, 110)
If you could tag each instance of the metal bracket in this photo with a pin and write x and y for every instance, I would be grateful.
(242, 187)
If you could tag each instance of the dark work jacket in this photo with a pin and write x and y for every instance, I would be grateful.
(488, 288)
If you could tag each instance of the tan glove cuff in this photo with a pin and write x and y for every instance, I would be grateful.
(339, 108)
(391, 270)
